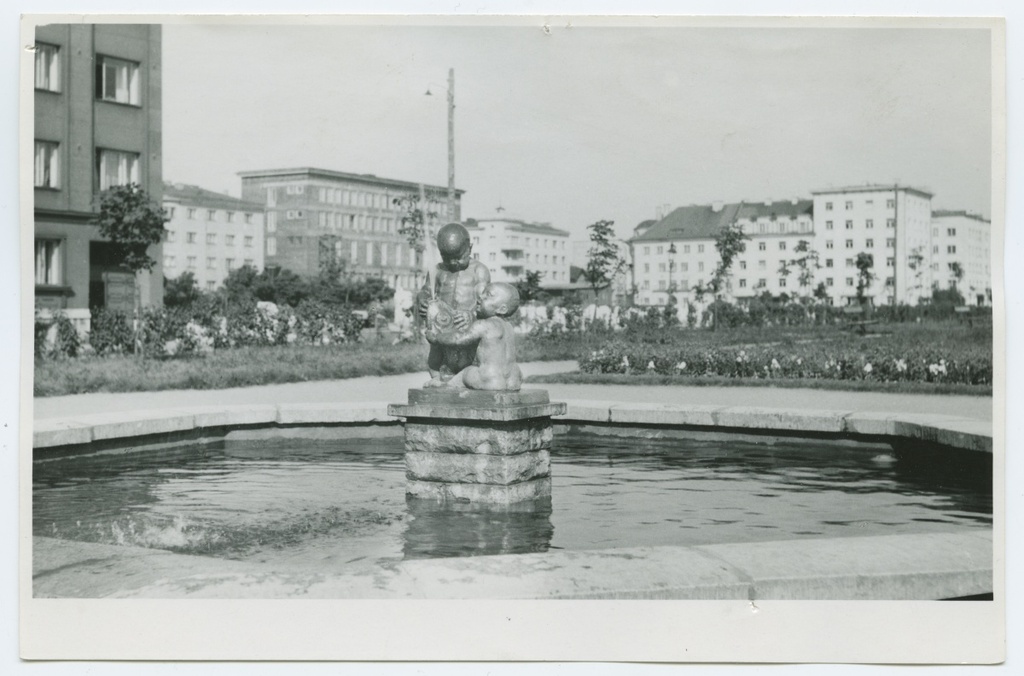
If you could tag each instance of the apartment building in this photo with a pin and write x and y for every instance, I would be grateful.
(892, 223)
(311, 211)
(210, 234)
(96, 125)
(512, 247)
(962, 240)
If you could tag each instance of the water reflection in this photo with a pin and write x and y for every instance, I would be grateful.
(461, 529)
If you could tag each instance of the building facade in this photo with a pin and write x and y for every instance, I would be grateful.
(891, 223)
(962, 240)
(311, 213)
(97, 124)
(210, 234)
(511, 247)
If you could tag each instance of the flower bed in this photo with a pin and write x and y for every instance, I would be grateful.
(885, 362)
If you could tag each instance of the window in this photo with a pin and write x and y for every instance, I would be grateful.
(849, 225)
(170, 212)
(869, 203)
(249, 262)
(762, 265)
(48, 262)
(172, 235)
(869, 243)
(935, 249)
(211, 263)
(828, 225)
(762, 283)
(870, 223)
(890, 222)
(743, 283)
(248, 240)
(849, 205)
(47, 67)
(248, 218)
(849, 281)
(890, 204)
(762, 228)
(117, 80)
(849, 262)
(891, 243)
(211, 285)
(700, 248)
(191, 262)
(230, 217)
(295, 189)
(686, 248)
(661, 284)
(647, 267)
(272, 246)
(229, 240)
(211, 238)
(828, 262)
(661, 249)
(828, 206)
(647, 249)
(191, 214)
(647, 284)
(828, 244)
(700, 267)
(782, 282)
(293, 214)
(951, 232)
(685, 267)
(168, 261)
(829, 281)
(211, 214)
(889, 281)
(190, 238)
(951, 249)
(782, 246)
(890, 262)
(849, 244)
(229, 264)
(743, 265)
(116, 168)
(47, 165)
(762, 246)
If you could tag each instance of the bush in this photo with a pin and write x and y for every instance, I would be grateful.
(110, 332)
(56, 338)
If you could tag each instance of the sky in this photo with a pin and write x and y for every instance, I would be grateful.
(582, 122)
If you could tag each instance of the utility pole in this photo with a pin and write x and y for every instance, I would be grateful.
(451, 144)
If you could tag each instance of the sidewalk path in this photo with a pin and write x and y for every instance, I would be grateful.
(393, 389)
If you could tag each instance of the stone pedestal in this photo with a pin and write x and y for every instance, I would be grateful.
(472, 446)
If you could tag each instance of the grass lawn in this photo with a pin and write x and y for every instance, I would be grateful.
(244, 366)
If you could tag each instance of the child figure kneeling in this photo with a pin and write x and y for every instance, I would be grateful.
(495, 366)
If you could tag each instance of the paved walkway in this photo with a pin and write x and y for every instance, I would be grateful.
(393, 388)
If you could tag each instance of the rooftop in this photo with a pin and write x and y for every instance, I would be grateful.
(781, 209)
(873, 187)
(193, 195)
(691, 222)
(946, 213)
(522, 226)
(330, 174)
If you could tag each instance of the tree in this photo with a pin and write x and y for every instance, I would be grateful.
(806, 264)
(730, 242)
(604, 259)
(915, 261)
(240, 285)
(133, 223)
(865, 262)
(181, 291)
(529, 286)
(416, 214)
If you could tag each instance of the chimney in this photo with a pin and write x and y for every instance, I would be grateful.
(717, 206)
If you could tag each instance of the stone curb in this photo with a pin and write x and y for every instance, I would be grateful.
(961, 433)
(924, 566)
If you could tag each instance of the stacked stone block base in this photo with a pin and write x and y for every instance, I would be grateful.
(485, 448)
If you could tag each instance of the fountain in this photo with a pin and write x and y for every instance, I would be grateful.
(471, 434)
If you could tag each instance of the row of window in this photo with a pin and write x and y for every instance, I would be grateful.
(212, 263)
(211, 238)
(113, 167)
(117, 80)
(848, 204)
(374, 253)
(868, 223)
(778, 227)
(890, 243)
(352, 198)
(542, 242)
(537, 258)
(762, 283)
(191, 214)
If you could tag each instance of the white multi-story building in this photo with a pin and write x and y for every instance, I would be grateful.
(210, 234)
(511, 247)
(962, 239)
(677, 254)
(892, 223)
